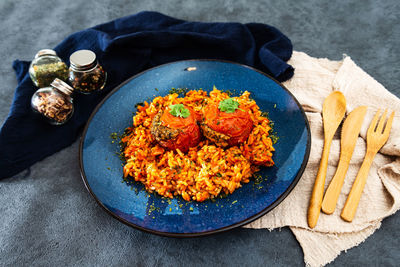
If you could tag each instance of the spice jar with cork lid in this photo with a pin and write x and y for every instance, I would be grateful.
(54, 103)
(45, 67)
(86, 75)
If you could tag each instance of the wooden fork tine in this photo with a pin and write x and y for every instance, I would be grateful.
(381, 122)
(388, 125)
(375, 140)
(372, 126)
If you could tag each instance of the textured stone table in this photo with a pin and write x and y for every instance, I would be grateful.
(47, 218)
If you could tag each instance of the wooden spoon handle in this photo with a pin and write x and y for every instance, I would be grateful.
(318, 191)
(332, 193)
(350, 207)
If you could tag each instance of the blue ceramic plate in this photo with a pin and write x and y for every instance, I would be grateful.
(102, 171)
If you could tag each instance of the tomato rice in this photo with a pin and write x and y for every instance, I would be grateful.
(205, 171)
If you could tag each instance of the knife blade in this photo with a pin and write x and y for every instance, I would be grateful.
(350, 131)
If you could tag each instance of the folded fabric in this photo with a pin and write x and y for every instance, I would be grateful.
(313, 81)
(125, 47)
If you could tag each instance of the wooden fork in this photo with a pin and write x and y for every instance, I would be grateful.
(376, 138)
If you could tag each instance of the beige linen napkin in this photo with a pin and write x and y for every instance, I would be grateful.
(314, 80)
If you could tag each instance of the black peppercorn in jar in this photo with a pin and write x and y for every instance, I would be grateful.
(54, 103)
(86, 75)
(45, 67)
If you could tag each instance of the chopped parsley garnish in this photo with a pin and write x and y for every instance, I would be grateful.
(274, 139)
(179, 91)
(272, 133)
(179, 110)
(114, 136)
(229, 92)
(228, 105)
(258, 179)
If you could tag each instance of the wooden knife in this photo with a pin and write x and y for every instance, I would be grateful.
(350, 131)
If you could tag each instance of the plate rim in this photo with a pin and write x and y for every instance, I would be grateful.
(210, 232)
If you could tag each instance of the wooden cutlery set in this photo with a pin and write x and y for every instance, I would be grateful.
(333, 111)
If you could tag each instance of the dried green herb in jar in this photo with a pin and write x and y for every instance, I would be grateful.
(85, 74)
(47, 66)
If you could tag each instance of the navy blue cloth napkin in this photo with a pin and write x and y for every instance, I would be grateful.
(125, 47)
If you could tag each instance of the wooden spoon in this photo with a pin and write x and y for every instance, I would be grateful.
(333, 111)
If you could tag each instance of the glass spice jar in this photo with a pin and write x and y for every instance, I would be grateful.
(86, 75)
(45, 67)
(54, 103)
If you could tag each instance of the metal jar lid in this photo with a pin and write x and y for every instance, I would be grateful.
(83, 60)
(62, 86)
(46, 52)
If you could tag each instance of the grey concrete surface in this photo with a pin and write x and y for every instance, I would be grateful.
(47, 218)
